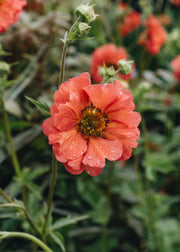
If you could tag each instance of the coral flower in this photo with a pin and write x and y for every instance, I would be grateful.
(176, 2)
(110, 55)
(154, 36)
(130, 22)
(10, 11)
(175, 64)
(91, 123)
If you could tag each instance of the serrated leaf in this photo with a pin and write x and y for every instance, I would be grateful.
(42, 106)
(67, 221)
(58, 240)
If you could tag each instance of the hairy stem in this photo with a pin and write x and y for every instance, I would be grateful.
(14, 158)
(51, 192)
(5, 235)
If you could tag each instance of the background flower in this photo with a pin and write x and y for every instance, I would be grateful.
(10, 11)
(153, 37)
(175, 64)
(110, 55)
(176, 2)
(89, 123)
(130, 22)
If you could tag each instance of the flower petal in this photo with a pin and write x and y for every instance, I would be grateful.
(65, 119)
(127, 152)
(129, 118)
(127, 136)
(48, 127)
(93, 171)
(73, 171)
(57, 153)
(101, 95)
(73, 145)
(99, 149)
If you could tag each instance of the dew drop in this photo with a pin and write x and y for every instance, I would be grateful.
(89, 158)
(113, 151)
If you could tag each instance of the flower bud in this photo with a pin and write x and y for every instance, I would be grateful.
(86, 13)
(84, 28)
(125, 66)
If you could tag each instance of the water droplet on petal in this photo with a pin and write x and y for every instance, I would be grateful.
(113, 151)
(89, 157)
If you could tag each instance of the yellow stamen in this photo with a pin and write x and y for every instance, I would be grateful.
(92, 122)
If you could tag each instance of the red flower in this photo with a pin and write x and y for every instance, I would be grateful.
(154, 36)
(175, 64)
(110, 55)
(91, 123)
(10, 11)
(176, 2)
(130, 22)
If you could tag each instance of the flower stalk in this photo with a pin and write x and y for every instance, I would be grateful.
(51, 192)
(14, 158)
(5, 235)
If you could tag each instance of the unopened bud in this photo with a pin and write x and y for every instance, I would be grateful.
(86, 13)
(84, 28)
(110, 71)
(125, 66)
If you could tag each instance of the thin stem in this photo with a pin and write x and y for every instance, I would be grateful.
(54, 161)
(104, 237)
(51, 192)
(5, 196)
(13, 154)
(4, 235)
(150, 206)
(11, 145)
(33, 225)
(62, 65)
(25, 211)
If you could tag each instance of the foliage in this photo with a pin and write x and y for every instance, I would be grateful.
(134, 204)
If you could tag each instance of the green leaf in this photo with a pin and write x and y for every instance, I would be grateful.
(4, 67)
(68, 221)
(42, 106)
(158, 162)
(57, 238)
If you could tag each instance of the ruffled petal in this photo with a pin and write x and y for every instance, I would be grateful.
(65, 119)
(48, 127)
(129, 118)
(57, 153)
(99, 149)
(127, 152)
(93, 171)
(71, 167)
(101, 95)
(127, 136)
(73, 145)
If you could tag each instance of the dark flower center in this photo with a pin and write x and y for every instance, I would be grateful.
(92, 122)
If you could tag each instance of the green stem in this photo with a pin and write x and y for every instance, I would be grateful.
(51, 192)
(33, 225)
(62, 66)
(150, 207)
(25, 211)
(104, 245)
(4, 235)
(5, 196)
(11, 145)
(54, 162)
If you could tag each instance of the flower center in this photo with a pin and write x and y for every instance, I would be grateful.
(92, 122)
